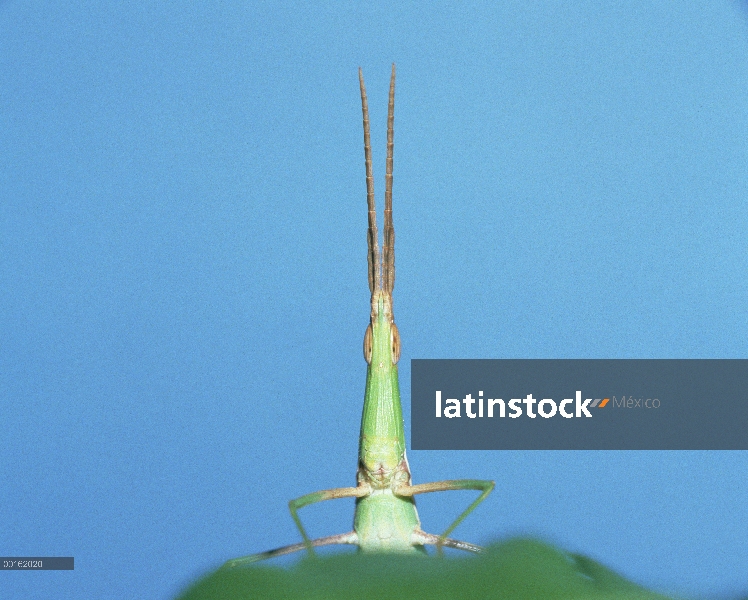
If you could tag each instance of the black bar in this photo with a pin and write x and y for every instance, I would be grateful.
(36, 563)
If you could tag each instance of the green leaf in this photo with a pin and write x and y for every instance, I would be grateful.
(519, 569)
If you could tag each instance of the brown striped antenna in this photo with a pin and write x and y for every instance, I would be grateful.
(388, 246)
(375, 269)
(381, 267)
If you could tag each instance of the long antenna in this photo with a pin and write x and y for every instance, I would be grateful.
(388, 247)
(375, 268)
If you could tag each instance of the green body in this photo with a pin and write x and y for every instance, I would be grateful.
(383, 520)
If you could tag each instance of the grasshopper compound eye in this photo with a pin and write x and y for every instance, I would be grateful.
(367, 345)
(395, 341)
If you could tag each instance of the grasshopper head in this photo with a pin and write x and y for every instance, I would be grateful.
(382, 339)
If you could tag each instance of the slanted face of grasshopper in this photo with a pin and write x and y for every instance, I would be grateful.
(385, 519)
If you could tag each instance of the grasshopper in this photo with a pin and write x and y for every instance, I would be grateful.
(385, 519)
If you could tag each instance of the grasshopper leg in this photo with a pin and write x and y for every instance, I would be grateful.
(483, 485)
(321, 496)
(341, 538)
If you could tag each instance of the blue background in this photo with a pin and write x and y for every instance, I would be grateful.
(183, 288)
